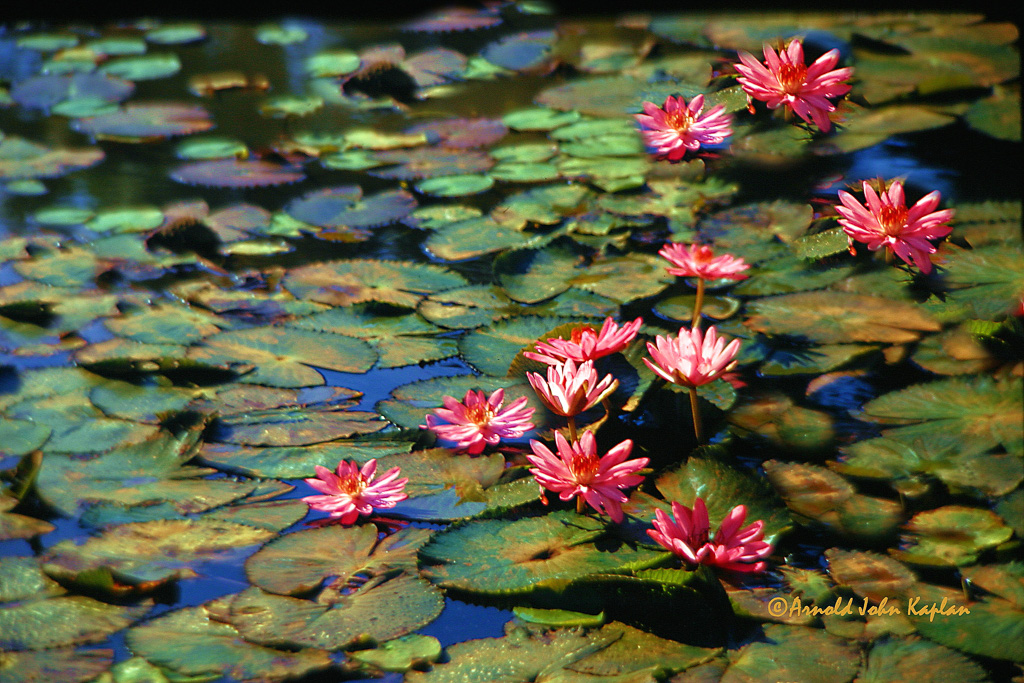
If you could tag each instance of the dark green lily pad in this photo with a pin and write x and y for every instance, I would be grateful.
(477, 305)
(144, 122)
(300, 562)
(868, 127)
(294, 462)
(498, 557)
(611, 96)
(533, 275)
(897, 660)
(795, 653)
(196, 641)
(337, 207)
(384, 607)
(997, 115)
(473, 237)
(988, 281)
(492, 349)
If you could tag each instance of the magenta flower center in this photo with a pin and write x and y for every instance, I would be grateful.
(792, 77)
(680, 120)
(584, 466)
(892, 219)
(480, 414)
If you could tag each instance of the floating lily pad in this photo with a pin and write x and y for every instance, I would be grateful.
(142, 122)
(533, 275)
(126, 219)
(45, 92)
(952, 535)
(285, 356)
(280, 34)
(301, 562)
(176, 34)
(22, 159)
(455, 185)
(611, 96)
(499, 557)
(896, 660)
(340, 283)
(387, 606)
(473, 237)
(345, 206)
(63, 620)
(165, 324)
(192, 642)
(520, 51)
(455, 19)
(332, 63)
(869, 575)
(795, 653)
(236, 173)
(401, 654)
(64, 664)
(294, 462)
(143, 67)
(491, 349)
(462, 133)
(285, 106)
(430, 162)
(211, 147)
(539, 118)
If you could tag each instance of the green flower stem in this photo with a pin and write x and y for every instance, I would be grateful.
(695, 409)
(699, 302)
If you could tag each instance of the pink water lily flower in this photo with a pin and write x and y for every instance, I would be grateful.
(887, 222)
(685, 533)
(784, 80)
(352, 491)
(570, 390)
(586, 343)
(691, 359)
(577, 470)
(479, 421)
(698, 260)
(677, 127)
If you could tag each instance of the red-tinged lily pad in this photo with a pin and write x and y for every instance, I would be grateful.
(430, 162)
(455, 19)
(816, 494)
(45, 92)
(157, 551)
(388, 605)
(462, 133)
(346, 207)
(62, 620)
(869, 575)
(22, 159)
(61, 664)
(236, 173)
(287, 356)
(434, 66)
(499, 557)
(15, 526)
(839, 317)
(982, 413)
(341, 283)
(145, 122)
(300, 562)
(952, 535)
(197, 641)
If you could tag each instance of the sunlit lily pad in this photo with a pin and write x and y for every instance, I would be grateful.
(384, 607)
(285, 106)
(401, 654)
(333, 63)
(126, 219)
(196, 641)
(498, 557)
(341, 283)
(22, 159)
(64, 664)
(176, 34)
(473, 237)
(610, 96)
(952, 535)
(837, 317)
(539, 118)
(285, 356)
(795, 653)
(211, 147)
(165, 324)
(236, 173)
(869, 575)
(280, 34)
(455, 185)
(299, 563)
(924, 661)
(143, 122)
(62, 620)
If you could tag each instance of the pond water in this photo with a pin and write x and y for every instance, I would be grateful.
(233, 252)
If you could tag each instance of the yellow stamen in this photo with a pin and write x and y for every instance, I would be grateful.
(791, 77)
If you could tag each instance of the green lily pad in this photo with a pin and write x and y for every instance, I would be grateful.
(498, 557)
(533, 275)
(539, 119)
(611, 96)
(430, 162)
(285, 356)
(196, 641)
(473, 237)
(869, 575)
(63, 620)
(285, 106)
(235, 173)
(165, 324)
(332, 63)
(295, 426)
(21, 159)
(211, 147)
(46, 92)
(143, 67)
(384, 607)
(455, 185)
(176, 34)
(478, 305)
(126, 219)
(280, 34)
(401, 654)
(997, 115)
(868, 127)
(624, 278)
(896, 660)
(288, 462)
(988, 281)
(681, 307)
(300, 562)
(492, 349)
